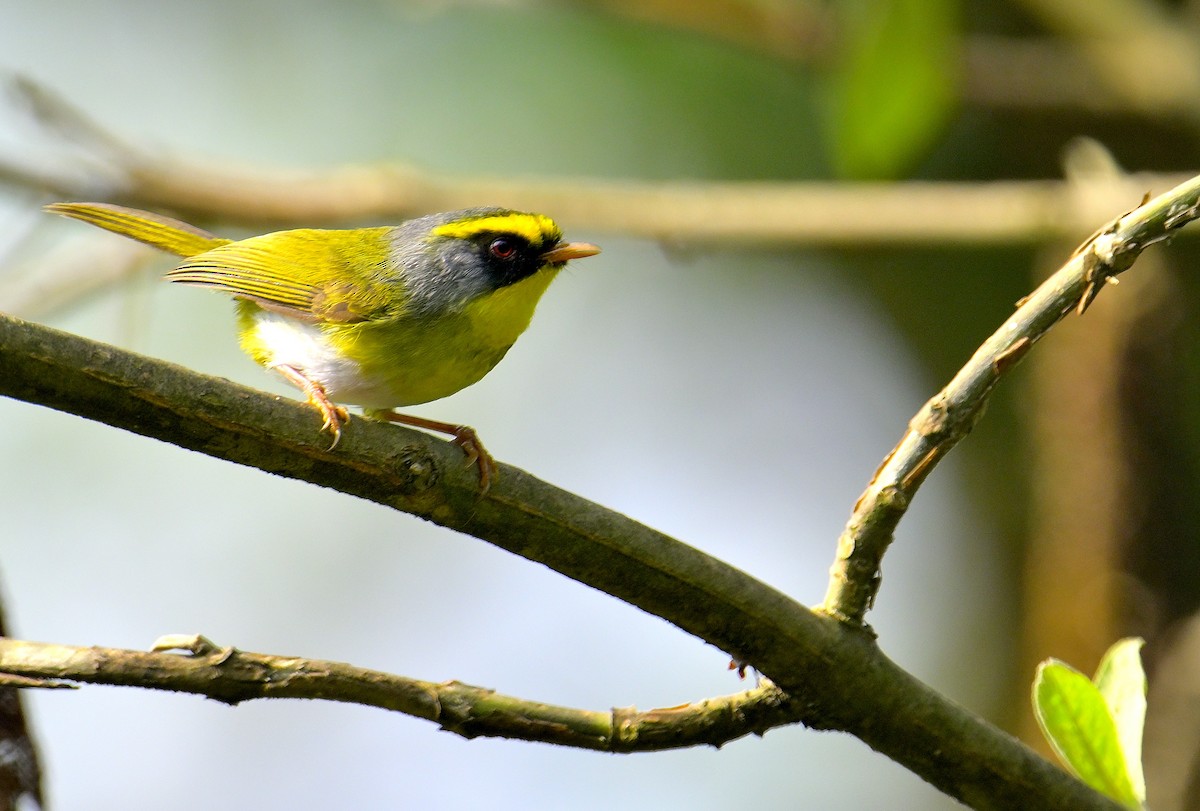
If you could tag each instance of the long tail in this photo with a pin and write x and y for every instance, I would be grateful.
(155, 230)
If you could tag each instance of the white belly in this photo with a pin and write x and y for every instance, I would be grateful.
(307, 349)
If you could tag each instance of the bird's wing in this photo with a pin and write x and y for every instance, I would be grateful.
(313, 275)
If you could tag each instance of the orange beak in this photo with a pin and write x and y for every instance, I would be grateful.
(572, 250)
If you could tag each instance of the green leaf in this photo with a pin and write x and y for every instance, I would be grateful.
(1122, 682)
(1075, 718)
(895, 86)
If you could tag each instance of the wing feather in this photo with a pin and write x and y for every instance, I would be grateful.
(315, 275)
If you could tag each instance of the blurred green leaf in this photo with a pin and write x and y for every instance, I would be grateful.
(1122, 682)
(1075, 718)
(895, 85)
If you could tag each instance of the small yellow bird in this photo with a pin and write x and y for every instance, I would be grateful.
(373, 317)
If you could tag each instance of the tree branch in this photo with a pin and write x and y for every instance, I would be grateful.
(1143, 52)
(952, 413)
(997, 71)
(232, 676)
(835, 673)
(72, 272)
(801, 213)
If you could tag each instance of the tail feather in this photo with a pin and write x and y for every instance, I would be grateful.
(155, 230)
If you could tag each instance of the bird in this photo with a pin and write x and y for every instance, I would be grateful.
(381, 317)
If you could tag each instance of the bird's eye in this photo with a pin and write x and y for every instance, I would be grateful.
(503, 248)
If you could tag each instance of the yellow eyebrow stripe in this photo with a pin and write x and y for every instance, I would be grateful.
(537, 229)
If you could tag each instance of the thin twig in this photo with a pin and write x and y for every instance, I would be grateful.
(952, 413)
(233, 676)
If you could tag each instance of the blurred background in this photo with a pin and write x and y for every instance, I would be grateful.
(734, 392)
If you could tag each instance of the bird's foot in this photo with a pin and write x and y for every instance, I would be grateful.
(335, 416)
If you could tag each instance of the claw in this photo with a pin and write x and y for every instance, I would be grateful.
(334, 415)
(466, 438)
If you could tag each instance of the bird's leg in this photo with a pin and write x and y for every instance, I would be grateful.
(464, 437)
(335, 416)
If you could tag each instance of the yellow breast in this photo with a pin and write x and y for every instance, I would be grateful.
(400, 361)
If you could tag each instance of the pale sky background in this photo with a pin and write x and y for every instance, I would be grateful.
(736, 399)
